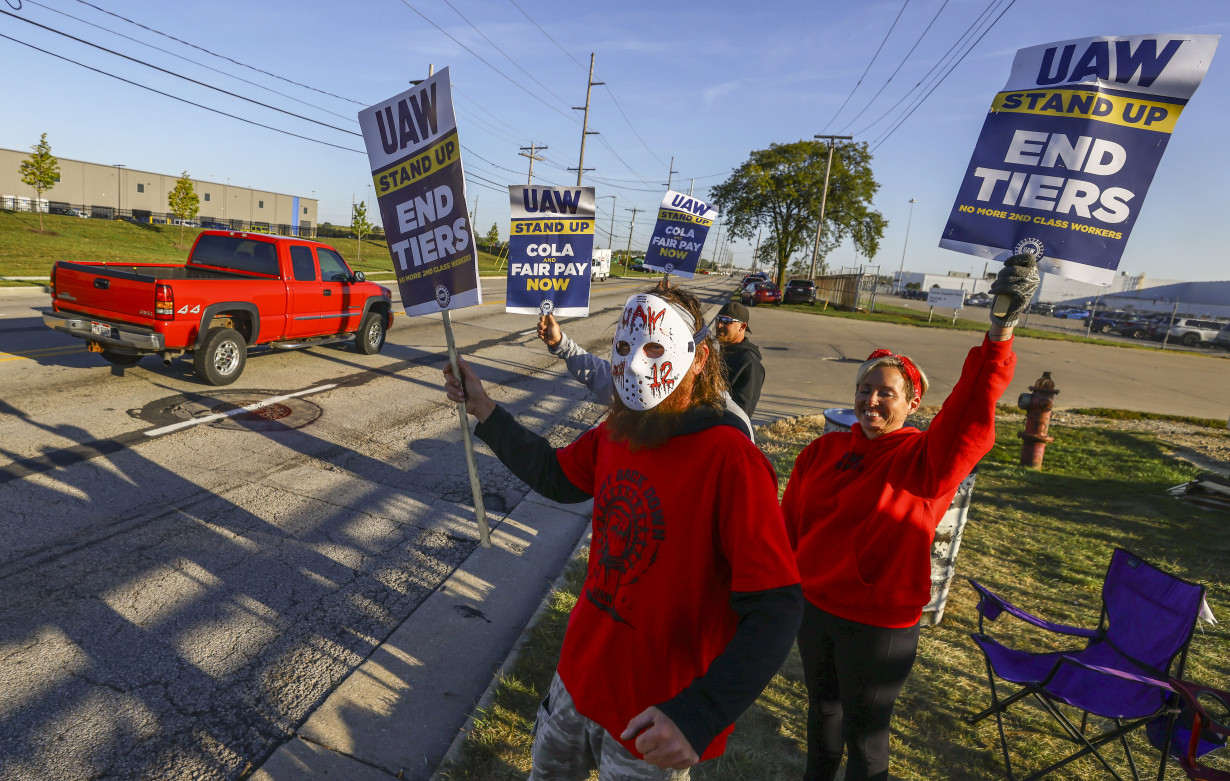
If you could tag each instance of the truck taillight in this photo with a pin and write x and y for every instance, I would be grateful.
(52, 286)
(164, 303)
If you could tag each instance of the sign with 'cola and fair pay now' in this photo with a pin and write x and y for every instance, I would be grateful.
(679, 234)
(550, 250)
(1069, 148)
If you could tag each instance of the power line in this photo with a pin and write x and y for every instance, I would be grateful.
(181, 100)
(904, 59)
(544, 32)
(869, 64)
(880, 141)
(479, 57)
(181, 76)
(186, 59)
(215, 54)
(630, 125)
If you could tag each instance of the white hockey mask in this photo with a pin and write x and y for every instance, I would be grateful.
(642, 381)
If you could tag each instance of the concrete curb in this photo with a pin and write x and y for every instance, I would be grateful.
(484, 702)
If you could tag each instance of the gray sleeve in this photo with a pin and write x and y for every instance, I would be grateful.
(589, 370)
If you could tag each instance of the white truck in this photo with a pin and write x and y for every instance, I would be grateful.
(600, 265)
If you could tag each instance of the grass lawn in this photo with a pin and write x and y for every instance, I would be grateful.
(24, 252)
(1042, 538)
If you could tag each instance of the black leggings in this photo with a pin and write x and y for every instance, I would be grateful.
(854, 673)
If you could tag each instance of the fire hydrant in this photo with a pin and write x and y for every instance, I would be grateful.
(1037, 405)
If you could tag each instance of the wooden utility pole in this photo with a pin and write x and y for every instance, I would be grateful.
(532, 149)
(628, 252)
(670, 175)
(585, 131)
(823, 197)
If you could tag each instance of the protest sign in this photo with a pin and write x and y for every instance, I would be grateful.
(415, 162)
(683, 223)
(549, 249)
(1070, 147)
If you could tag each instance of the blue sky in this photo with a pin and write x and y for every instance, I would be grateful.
(705, 83)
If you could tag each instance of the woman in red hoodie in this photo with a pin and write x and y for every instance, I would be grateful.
(861, 509)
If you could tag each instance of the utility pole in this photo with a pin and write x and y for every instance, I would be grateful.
(690, 186)
(824, 197)
(628, 252)
(670, 175)
(585, 131)
(532, 149)
(756, 252)
(611, 237)
(906, 243)
(716, 241)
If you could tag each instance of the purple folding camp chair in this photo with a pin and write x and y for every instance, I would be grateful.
(1122, 672)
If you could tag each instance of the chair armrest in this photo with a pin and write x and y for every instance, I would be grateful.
(1134, 677)
(991, 606)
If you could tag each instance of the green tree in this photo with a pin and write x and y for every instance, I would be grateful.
(183, 202)
(780, 188)
(41, 171)
(493, 235)
(359, 225)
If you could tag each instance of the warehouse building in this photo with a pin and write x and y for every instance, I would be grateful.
(118, 192)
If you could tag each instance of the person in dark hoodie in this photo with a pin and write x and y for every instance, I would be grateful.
(861, 508)
(744, 371)
(691, 597)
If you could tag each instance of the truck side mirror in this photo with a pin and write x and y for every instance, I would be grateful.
(358, 276)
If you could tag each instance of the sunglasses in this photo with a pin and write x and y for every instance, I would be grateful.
(724, 320)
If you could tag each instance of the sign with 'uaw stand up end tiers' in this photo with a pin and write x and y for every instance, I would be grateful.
(1070, 147)
(416, 169)
(679, 235)
(550, 245)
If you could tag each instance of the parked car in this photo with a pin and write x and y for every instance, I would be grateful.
(1223, 338)
(1135, 327)
(638, 267)
(1158, 326)
(1042, 308)
(760, 293)
(755, 276)
(1190, 332)
(1100, 325)
(978, 299)
(799, 291)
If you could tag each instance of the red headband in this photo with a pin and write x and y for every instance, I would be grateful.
(907, 368)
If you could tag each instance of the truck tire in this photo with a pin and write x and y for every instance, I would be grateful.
(222, 356)
(120, 359)
(1190, 339)
(370, 338)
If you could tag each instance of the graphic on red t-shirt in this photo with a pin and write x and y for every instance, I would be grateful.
(630, 526)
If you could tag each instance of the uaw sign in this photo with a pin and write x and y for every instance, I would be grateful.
(679, 235)
(1069, 148)
(415, 161)
(550, 244)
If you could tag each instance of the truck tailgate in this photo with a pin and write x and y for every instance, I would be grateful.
(122, 293)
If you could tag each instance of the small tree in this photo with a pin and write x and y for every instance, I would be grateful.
(183, 202)
(40, 171)
(359, 225)
(493, 235)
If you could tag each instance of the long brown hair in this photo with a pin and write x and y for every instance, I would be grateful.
(650, 428)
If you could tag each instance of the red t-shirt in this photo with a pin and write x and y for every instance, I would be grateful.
(676, 529)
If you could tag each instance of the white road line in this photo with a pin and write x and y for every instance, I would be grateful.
(157, 432)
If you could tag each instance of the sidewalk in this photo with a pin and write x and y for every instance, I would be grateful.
(398, 713)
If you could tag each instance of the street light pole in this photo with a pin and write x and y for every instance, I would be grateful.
(824, 197)
(906, 243)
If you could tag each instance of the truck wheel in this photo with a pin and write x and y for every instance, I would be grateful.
(120, 359)
(370, 338)
(221, 359)
(1190, 339)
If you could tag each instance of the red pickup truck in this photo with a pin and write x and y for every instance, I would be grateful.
(236, 290)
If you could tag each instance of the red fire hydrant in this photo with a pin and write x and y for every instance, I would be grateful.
(1037, 405)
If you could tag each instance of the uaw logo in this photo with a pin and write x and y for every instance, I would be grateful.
(1032, 246)
(629, 526)
(443, 296)
(546, 307)
(669, 267)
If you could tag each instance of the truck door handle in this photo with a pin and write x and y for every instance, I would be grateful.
(102, 284)
(328, 292)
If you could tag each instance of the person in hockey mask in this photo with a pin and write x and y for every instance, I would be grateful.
(691, 597)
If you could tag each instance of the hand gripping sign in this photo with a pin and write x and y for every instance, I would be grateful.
(549, 250)
(1069, 149)
(683, 224)
(415, 161)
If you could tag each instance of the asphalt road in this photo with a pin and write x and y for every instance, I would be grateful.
(180, 595)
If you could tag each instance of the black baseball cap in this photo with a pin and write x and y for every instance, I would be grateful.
(737, 311)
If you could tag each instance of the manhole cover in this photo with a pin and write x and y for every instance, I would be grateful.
(233, 410)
